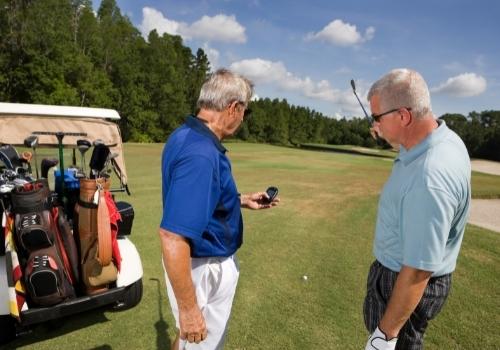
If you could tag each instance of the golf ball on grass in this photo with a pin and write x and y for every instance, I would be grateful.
(304, 278)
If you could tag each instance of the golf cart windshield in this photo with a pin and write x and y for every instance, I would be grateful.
(17, 121)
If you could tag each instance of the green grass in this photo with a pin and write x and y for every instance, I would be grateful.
(388, 153)
(485, 185)
(323, 228)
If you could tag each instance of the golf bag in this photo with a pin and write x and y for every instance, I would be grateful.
(45, 245)
(45, 277)
(92, 220)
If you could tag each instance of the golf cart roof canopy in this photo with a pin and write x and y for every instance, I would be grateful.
(18, 121)
(66, 111)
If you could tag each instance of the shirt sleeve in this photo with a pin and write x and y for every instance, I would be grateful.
(427, 215)
(191, 197)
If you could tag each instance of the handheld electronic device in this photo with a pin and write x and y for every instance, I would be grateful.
(272, 192)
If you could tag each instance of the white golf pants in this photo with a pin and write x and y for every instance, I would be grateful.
(215, 282)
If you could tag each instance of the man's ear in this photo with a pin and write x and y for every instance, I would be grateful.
(232, 108)
(406, 117)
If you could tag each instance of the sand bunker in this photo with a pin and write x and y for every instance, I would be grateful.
(486, 212)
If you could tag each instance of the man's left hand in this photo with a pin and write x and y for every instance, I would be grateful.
(378, 341)
(257, 200)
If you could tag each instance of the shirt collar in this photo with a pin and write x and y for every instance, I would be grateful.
(200, 127)
(435, 137)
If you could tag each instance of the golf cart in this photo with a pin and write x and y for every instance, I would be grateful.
(26, 260)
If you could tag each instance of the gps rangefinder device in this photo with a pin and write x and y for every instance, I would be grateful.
(272, 192)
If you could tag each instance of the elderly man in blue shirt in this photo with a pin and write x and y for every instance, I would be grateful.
(422, 213)
(202, 228)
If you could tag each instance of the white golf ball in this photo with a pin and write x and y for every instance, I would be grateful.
(304, 278)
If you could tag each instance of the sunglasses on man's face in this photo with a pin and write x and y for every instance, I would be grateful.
(377, 117)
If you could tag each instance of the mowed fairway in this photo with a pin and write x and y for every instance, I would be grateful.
(323, 229)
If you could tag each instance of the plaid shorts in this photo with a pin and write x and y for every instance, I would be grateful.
(381, 280)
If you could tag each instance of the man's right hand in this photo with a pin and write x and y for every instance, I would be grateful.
(177, 261)
(192, 325)
(379, 341)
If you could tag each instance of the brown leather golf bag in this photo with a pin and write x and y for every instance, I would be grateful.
(92, 221)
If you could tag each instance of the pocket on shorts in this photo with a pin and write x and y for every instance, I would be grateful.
(434, 298)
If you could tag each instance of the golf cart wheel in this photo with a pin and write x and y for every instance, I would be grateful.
(8, 329)
(132, 296)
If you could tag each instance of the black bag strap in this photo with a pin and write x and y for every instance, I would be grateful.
(88, 205)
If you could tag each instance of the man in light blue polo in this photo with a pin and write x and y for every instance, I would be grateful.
(422, 213)
(202, 228)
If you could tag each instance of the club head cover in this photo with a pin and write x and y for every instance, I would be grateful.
(99, 157)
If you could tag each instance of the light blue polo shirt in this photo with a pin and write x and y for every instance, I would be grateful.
(424, 206)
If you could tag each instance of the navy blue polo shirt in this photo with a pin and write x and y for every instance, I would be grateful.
(200, 198)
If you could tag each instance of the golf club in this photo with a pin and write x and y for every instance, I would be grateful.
(355, 94)
(60, 135)
(6, 188)
(7, 153)
(98, 142)
(83, 146)
(373, 132)
(46, 164)
(26, 157)
(32, 142)
(97, 161)
(106, 169)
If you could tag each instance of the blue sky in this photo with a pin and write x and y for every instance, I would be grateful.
(307, 51)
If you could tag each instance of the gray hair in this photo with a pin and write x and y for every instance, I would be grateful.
(403, 87)
(223, 88)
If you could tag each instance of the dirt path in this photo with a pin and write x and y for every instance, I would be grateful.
(486, 166)
(485, 212)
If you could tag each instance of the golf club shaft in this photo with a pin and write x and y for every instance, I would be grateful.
(36, 163)
(366, 114)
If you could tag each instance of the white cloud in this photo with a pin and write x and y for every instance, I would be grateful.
(261, 71)
(463, 85)
(275, 73)
(340, 33)
(213, 56)
(154, 19)
(217, 28)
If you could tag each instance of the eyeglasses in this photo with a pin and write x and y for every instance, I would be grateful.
(377, 117)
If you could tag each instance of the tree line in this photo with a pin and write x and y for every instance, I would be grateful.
(479, 131)
(61, 52)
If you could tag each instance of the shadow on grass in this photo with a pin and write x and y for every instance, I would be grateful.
(66, 325)
(162, 339)
(343, 150)
(60, 327)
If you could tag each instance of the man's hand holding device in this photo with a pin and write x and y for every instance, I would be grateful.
(260, 200)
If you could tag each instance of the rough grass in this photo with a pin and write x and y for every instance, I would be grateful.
(485, 185)
(323, 229)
